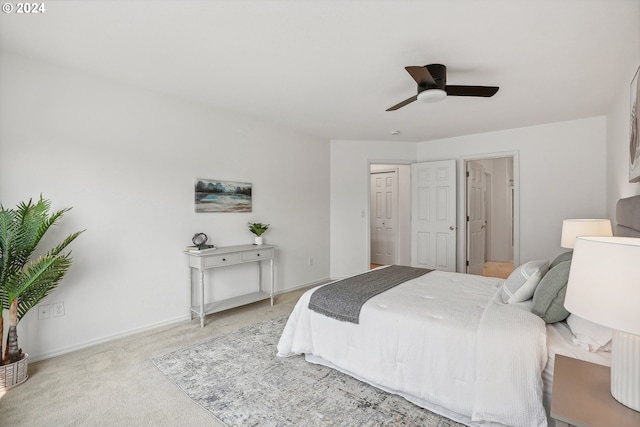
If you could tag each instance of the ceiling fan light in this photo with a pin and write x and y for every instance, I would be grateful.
(432, 95)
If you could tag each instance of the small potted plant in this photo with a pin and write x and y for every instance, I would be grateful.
(258, 229)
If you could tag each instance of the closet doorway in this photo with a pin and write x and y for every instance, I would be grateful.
(491, 220)
(389, 214)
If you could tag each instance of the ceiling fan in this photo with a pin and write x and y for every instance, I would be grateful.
(432, 86)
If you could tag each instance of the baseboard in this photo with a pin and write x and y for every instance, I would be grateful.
(306, 285)
(164, 323)
(91, 343)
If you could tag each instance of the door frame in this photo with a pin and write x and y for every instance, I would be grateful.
(366, 214)
(472, 253)
(395, 171)
(487, 197)
(462, 203)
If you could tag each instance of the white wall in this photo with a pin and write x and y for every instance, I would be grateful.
(125, 159)
(618, 185)
(562, 174)
(349, 198)
(618, 121)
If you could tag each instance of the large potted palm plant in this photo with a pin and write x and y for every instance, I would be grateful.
(24, 282)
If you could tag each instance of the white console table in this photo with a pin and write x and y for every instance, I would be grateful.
(222, 257)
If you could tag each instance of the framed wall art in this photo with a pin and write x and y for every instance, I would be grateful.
(634, 132)
(222, 196)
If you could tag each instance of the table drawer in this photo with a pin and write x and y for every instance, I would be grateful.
(257, 254)
(214, 261)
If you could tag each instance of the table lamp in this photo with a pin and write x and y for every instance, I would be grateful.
(572, 228)
(604, 287)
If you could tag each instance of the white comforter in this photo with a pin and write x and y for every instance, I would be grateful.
(445, 341)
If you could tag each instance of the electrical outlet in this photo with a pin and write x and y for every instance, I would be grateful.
(58, 309)
(44, 311)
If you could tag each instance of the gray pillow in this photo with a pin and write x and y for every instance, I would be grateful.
(522, 282)
(548, 299)
(566, 256)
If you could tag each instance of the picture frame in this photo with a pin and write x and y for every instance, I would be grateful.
(211, 195)
(634, 130)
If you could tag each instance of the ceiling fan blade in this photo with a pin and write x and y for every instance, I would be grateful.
(403, 103)
(484, 91)
(421, 75)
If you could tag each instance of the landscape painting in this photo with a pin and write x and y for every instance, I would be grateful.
(634, 138)
(222, 196)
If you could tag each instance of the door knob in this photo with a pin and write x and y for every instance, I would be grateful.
(451, 227)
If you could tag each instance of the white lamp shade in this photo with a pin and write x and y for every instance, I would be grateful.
(604, 282)
(572, 228)
(432, 95)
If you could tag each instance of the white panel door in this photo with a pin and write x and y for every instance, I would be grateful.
(384, 221)
(476, 218)
(433, 215)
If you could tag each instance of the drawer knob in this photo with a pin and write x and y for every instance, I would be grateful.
(224, 259)
(258, 254)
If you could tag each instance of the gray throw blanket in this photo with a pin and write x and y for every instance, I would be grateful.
(343, 299)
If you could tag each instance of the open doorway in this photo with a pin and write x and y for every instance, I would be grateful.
(492, 173)
(389, 214)
(490, 216)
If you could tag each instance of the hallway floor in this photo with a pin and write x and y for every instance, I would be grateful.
(497, 269)
(490, 269)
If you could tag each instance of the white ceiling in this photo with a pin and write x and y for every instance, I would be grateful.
(332, 68)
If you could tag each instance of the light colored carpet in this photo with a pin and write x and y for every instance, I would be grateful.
(239, 378)
(116, 384)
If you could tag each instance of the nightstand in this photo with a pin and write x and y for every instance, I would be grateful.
(582, 396)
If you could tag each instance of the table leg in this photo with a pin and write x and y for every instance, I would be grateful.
(271, 264)
(190, 293)
(202, 299)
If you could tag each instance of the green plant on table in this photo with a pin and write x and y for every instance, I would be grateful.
(258, 228)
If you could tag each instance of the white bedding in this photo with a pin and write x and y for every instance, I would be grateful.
(444, 341)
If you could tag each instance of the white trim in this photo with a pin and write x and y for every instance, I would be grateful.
(170, 322)
(306, 285)
(367, 211)
(108, 338)
(462, 203)
(396, 171)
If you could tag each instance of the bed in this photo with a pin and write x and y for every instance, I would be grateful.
(477, 350)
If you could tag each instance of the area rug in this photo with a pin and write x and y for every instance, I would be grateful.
(240, 380)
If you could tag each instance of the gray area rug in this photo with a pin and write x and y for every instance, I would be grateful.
(240, 380)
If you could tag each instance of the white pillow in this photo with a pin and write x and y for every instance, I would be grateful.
(522, 282)
(588, 335)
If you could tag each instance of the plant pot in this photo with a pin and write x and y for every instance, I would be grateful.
(258, 240)
(14, 374)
